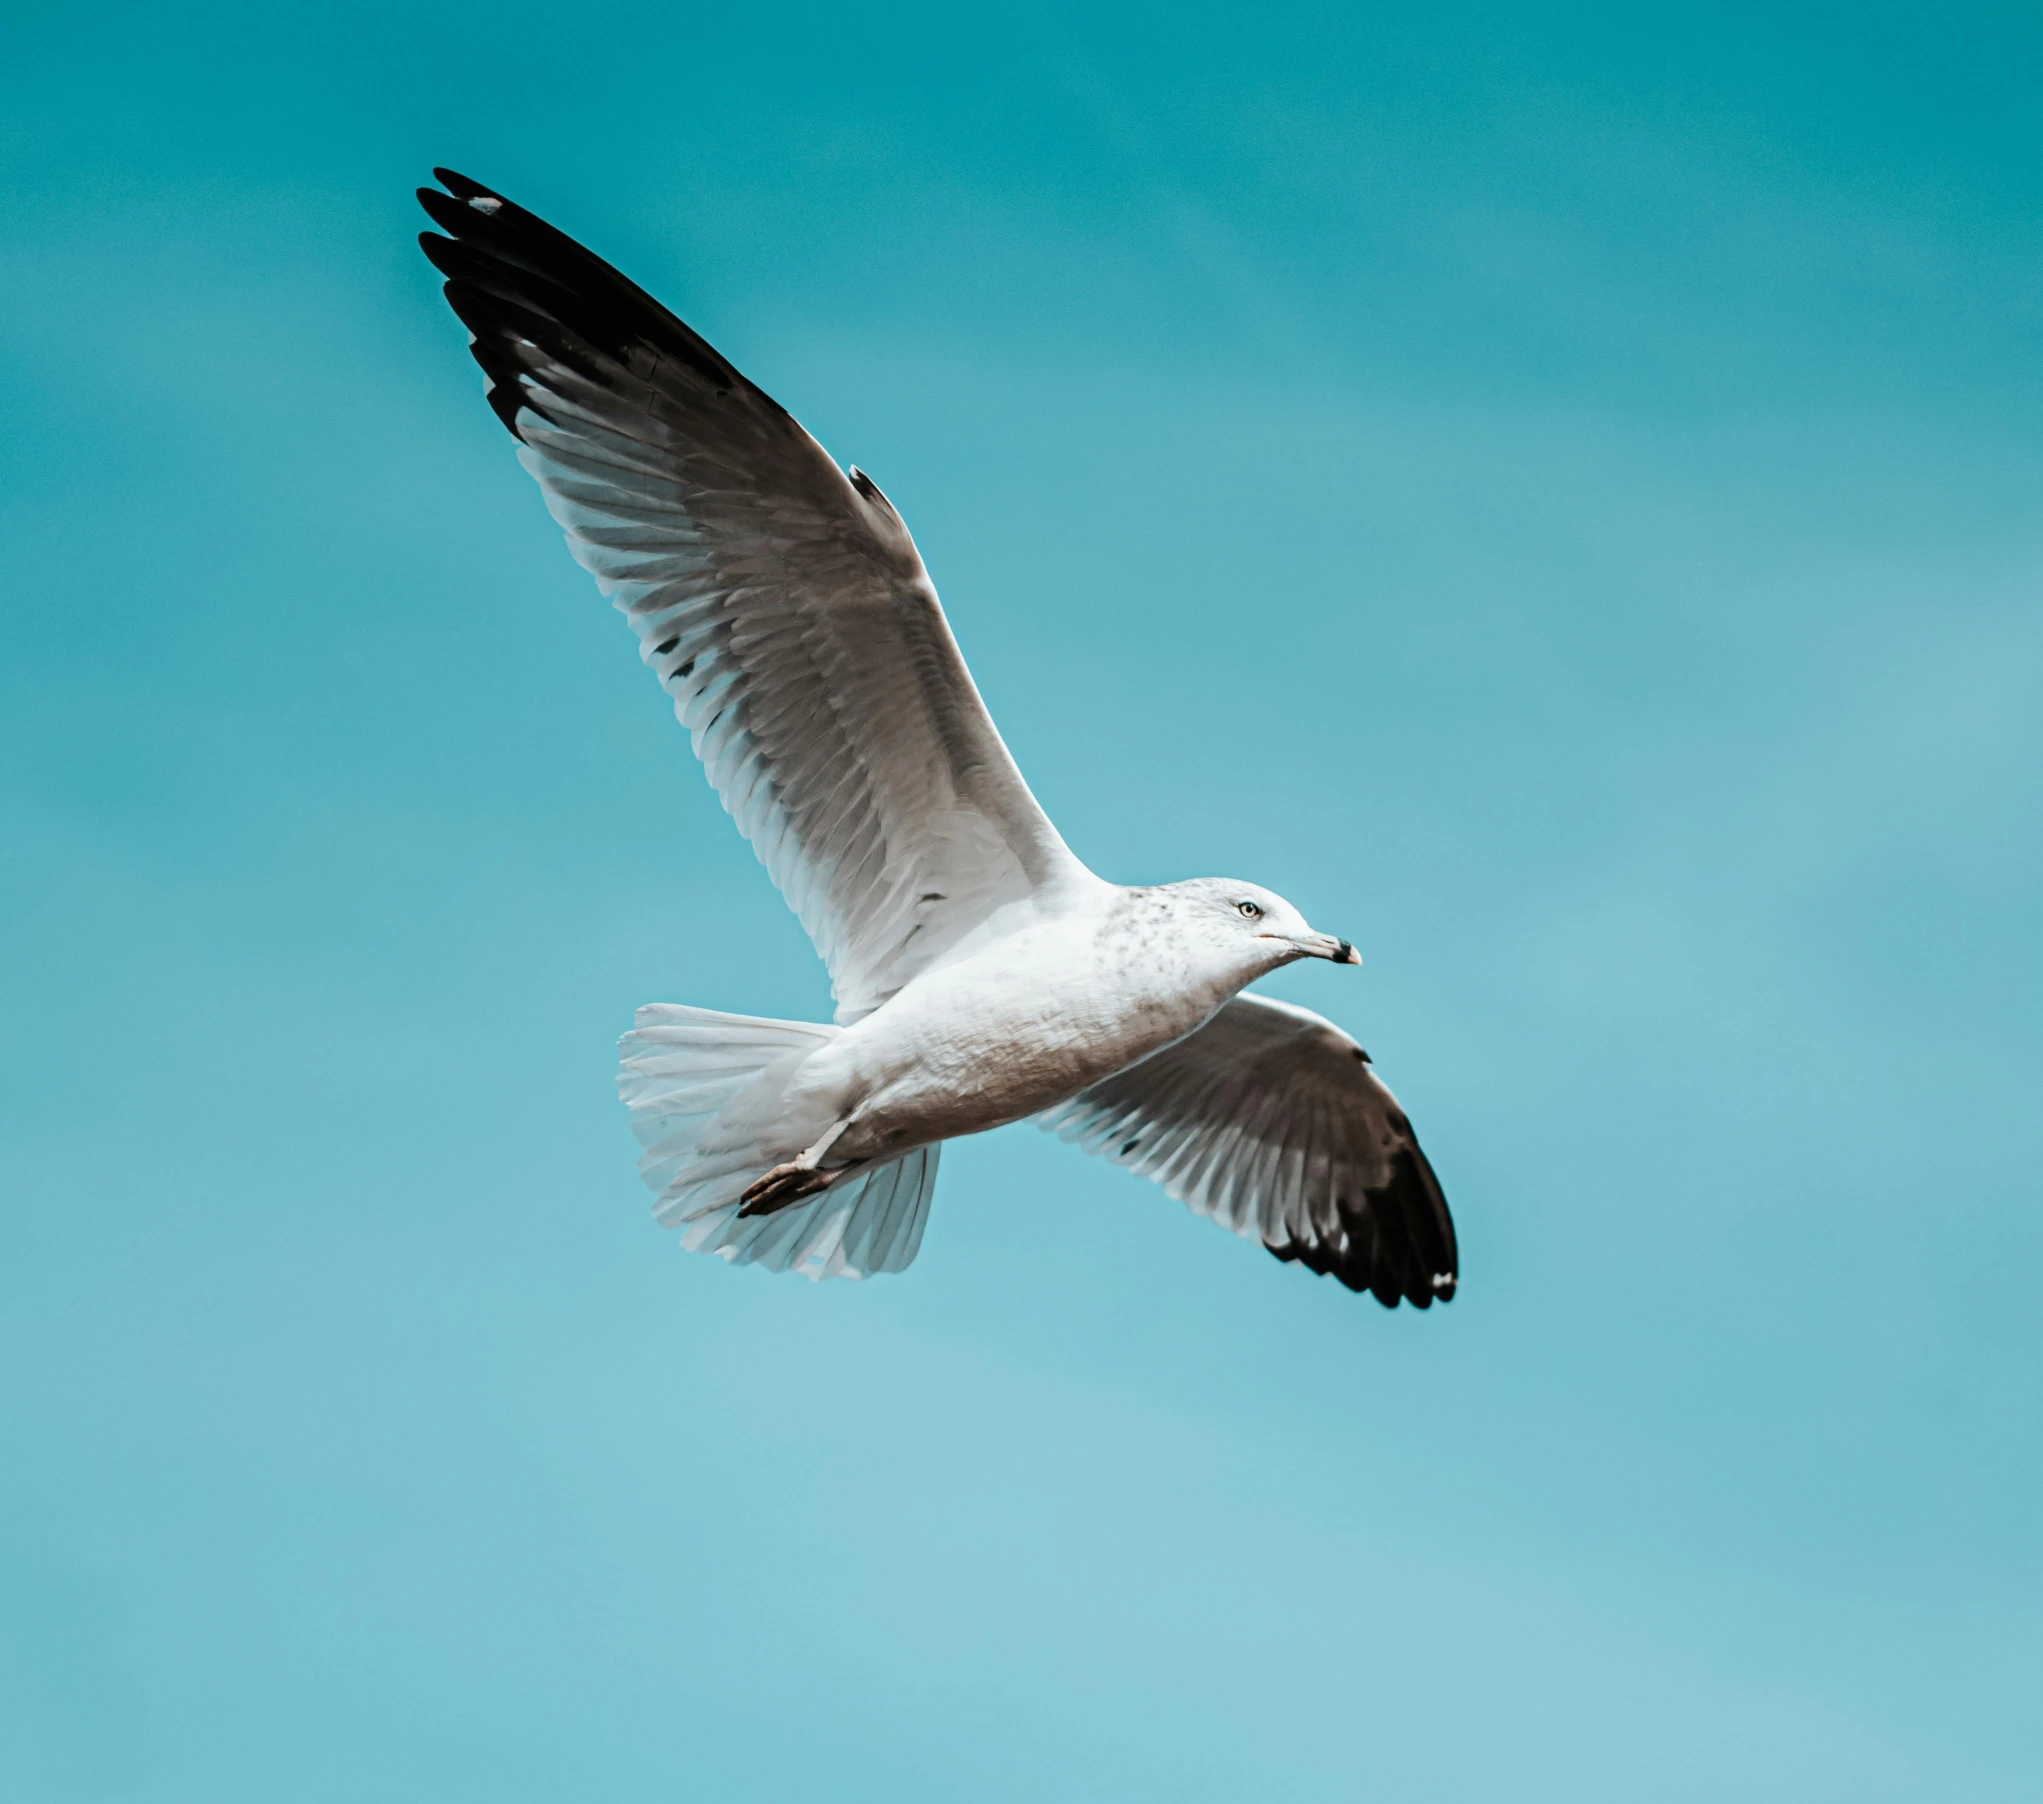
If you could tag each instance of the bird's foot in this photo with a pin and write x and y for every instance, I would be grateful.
(783, 1185)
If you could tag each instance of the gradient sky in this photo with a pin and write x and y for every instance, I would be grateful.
(1553, 491)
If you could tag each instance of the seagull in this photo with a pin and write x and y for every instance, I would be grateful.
(982, 974)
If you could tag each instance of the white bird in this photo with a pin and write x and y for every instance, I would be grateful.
(982, 974)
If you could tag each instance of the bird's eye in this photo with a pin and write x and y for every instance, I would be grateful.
(1250, 911)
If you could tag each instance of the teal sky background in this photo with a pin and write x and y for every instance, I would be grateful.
(1554, 491)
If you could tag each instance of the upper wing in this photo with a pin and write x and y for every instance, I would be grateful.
(782, 603)
(1270, 1120)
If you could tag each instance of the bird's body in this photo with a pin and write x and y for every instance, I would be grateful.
(983, 974)
(1029, 1013)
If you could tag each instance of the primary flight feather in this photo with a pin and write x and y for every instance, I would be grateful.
(982, 973)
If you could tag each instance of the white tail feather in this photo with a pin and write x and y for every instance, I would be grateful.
(681, 1067)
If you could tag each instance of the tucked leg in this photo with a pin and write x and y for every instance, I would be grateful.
(801, 1176)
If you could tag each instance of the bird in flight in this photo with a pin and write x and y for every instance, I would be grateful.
(982, 974)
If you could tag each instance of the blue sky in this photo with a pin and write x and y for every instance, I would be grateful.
(1552, 491)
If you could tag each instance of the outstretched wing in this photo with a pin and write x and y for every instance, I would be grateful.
(1270, 1120)
(782, 603)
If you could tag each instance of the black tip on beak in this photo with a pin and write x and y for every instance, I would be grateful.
(1347, 955)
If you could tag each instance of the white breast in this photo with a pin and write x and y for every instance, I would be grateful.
(1019, 1023)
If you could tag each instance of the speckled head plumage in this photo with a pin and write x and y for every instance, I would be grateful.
(1246, 919)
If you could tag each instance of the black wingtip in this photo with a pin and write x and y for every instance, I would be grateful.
(462, 187)
(1398, 1245)
(444, 253)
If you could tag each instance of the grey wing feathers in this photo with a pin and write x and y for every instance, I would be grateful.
(782, 604)
(1270, 1120)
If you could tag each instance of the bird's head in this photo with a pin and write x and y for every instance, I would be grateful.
(1255, 925)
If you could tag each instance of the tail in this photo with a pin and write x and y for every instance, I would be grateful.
(681, 1068)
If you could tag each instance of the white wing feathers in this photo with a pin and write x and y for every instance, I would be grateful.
(782, 603)
(1270, 1120)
